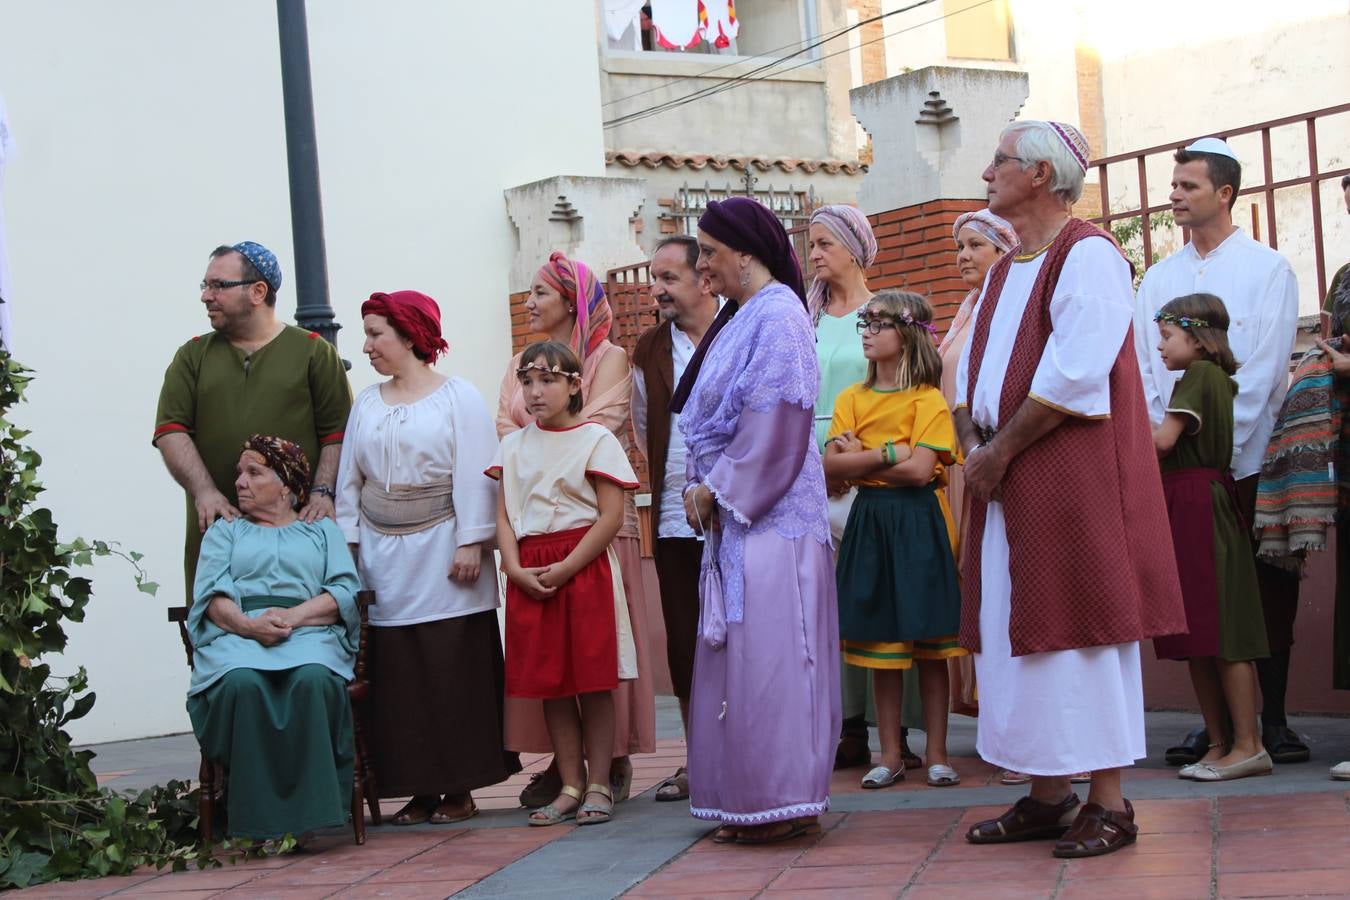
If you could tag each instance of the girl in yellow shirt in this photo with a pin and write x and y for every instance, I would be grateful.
(899, 598)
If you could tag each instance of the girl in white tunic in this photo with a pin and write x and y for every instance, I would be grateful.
(568, 638)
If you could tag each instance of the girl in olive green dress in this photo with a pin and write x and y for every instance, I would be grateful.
(1226, 630)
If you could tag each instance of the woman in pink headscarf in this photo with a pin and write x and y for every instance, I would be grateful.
(568, 303)
(981, 238)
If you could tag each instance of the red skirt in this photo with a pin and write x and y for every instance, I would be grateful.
(567, 644)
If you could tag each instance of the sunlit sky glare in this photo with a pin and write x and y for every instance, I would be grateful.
(1116, 29)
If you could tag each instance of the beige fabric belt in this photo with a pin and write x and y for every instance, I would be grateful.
(407, 508)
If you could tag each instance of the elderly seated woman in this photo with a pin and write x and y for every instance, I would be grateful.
(274, 629)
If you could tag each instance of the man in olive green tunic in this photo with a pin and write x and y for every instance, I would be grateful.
(251, 374)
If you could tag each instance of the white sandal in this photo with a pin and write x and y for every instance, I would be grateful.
(942, 776)
(882, 777)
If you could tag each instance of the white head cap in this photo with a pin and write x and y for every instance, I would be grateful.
(1212, 145)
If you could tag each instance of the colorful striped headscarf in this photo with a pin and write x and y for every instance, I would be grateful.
(581, 289)
(993, 228)
(850, 227)
(285, 458)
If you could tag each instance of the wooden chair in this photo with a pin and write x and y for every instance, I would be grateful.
(364, 793)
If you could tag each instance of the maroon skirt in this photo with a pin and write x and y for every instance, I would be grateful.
(1190, 510)
(566, 644)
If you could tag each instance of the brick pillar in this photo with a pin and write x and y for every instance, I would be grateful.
(934, 131)
(915, 253)
(594, 220)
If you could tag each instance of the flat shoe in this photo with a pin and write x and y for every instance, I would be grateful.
(1027, 820)
(1194, 746)
(942, 776)
(1284, 745)
(594, 813)
(882, 777)
(543, 788)
(1260, 764)
(1097, 831)
(770, 833)
(551, 814)
(416, 811)
(1341, 771)
(1188, 771)
(676, 787)
(621, 782)
(1011, 777)
(1080, 778)
(450, 812)
(852, 750)
(726, 834)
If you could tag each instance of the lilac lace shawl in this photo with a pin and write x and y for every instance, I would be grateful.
(764, 357)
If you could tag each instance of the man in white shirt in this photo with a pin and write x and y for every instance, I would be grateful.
(1260, 292)
(687, 308)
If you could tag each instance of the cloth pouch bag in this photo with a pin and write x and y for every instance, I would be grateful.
(712, 617)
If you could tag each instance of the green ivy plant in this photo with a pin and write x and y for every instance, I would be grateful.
(55, 821)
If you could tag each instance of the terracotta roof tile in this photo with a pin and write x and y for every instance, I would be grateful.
(653, 159)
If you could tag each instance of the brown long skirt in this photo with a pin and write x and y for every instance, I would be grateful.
(437, 707)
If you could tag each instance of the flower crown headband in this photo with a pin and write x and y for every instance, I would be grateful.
(554, 370)
(903, 316)
(1187, 322)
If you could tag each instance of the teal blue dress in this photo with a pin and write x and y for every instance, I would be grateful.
(842, 365)
(280, 712)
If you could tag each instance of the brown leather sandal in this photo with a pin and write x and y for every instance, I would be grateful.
(1097, 831)
(774, 832)
(454, 808)
(1027, 820)
(726, 834)
(416, 811)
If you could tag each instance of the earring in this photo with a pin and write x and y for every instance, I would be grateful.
(745, 277)
(571, 310)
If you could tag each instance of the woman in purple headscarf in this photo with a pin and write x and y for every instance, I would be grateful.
(764, 715)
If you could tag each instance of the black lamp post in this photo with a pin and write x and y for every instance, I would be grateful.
(313, 310)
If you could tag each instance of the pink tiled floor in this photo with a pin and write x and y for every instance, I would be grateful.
(1186, 849)
(1289, 844)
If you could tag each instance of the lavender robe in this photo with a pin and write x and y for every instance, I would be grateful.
(764, 716)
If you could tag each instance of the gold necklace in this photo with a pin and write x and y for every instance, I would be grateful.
(1028, 257)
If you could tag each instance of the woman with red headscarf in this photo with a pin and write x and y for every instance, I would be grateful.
(414, 502)
(568, 304)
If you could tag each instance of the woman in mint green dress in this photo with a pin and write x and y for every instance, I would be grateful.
(841, 246)
(274, 630)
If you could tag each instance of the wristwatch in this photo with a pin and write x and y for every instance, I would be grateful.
(322, 490)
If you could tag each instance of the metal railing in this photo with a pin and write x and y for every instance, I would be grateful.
(1267, 189)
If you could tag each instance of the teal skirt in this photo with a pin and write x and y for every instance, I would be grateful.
(285, 740)
(896, 573)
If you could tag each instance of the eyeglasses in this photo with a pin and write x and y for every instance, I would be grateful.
(215, 287)
(1000, 159)
(874, 326)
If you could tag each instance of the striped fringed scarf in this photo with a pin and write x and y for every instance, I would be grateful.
(1296, 497)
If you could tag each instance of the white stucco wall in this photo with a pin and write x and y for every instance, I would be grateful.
(151, 132)
(1256, 62)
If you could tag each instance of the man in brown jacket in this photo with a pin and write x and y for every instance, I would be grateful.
(687, 308)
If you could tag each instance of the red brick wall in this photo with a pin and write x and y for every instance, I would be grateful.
(915, 252)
